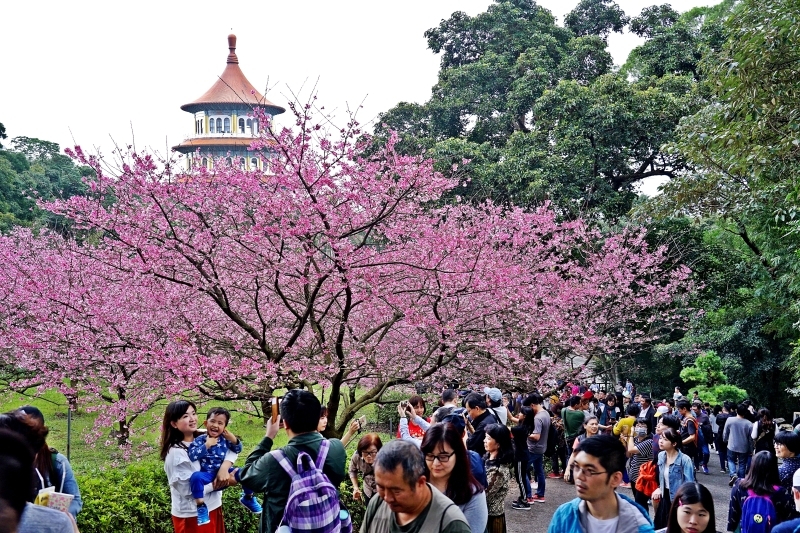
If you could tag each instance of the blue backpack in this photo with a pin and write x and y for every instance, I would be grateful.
(758, 514)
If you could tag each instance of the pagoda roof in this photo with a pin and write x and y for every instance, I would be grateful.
(208, 143)
(232, 90)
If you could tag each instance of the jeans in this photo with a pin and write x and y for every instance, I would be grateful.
(737, 463)
(536, 461)
(702, 455)
(199, 480)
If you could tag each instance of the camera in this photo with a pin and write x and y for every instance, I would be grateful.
(404, 404)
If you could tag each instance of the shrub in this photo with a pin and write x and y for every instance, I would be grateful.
(136, 500)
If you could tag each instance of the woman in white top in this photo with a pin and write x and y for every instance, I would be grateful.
(178, 430)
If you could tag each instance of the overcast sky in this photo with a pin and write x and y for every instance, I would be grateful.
(87, 72)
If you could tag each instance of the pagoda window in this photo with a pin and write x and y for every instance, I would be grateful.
(219, 125)
(229, 161)
(250, 126)
(205, 162)
(253, 163)
(211, 126)
(241, 125)
(227, 125)
(255, 127)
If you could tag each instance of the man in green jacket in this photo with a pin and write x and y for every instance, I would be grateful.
(299, 412)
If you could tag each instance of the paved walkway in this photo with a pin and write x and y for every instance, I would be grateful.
(557, 492)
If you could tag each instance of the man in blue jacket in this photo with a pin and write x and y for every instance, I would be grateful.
(597, 471)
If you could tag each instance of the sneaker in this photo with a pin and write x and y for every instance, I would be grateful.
(732, 481)
(251, 503)
(723, 471)
(705, 469)
(553, 475)
(520, 506)
(202, 515)
(536, 499)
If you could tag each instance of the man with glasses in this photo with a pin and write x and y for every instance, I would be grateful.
(406, 502)
(480, 419)
(597, 470)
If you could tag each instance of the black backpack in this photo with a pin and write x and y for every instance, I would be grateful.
(552, 440)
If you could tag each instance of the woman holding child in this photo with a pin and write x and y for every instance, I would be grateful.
(178, 431)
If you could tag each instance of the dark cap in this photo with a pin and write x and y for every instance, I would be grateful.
(33, 412)
(457, 421)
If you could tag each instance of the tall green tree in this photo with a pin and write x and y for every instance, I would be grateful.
(530, 112)
(743, 149)
(35, 169)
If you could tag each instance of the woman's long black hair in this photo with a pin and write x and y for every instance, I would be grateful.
(762, 477)
(461, 485)
(170, 436)
(501, 435)
(688, 494)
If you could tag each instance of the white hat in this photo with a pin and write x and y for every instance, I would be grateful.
(796, 478)
(662, 410)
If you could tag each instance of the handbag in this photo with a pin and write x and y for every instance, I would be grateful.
(646, 483)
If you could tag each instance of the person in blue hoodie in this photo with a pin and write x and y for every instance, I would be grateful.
(597, 470)
(51, 467)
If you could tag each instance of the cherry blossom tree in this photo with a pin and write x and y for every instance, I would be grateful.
(336, 266)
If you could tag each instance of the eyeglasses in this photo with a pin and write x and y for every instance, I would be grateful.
(577, 471)
(369, 454)
(443, 457)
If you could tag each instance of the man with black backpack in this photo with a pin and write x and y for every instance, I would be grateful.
(265, 471)
(690, 430)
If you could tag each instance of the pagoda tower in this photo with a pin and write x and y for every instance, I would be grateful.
(224, 121)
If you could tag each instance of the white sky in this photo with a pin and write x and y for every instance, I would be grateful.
(84, 72)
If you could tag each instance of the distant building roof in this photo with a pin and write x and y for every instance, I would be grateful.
(208, 143)
(232, 90)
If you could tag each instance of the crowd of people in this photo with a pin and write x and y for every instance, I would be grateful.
(452, 471)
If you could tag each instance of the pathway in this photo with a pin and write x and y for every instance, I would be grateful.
(557, 492)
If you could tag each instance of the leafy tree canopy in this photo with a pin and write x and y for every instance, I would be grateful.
(32, 169)
(596, 17)
(537, 113)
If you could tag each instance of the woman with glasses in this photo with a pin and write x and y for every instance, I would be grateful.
(448, 469)
(362, 463)
(674, 469)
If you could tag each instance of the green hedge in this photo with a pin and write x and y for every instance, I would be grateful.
(136, 500)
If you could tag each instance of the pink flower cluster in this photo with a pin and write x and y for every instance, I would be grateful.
(335, 266)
